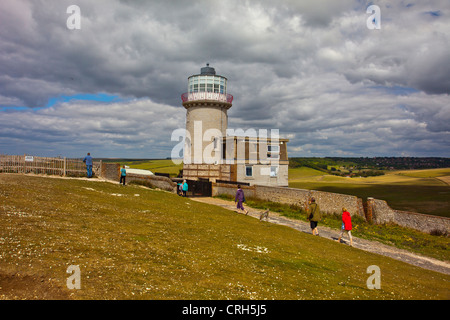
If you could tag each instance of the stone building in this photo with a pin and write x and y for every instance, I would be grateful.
(213, 152)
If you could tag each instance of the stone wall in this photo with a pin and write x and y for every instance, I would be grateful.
(422, 222)
(230, 189)
(110, 171)
(382, 213)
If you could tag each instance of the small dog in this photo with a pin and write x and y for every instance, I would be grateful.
(264, 214)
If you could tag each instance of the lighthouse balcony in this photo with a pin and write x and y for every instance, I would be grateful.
(206, 96)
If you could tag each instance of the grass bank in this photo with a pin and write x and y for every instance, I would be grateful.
(435, 246)
(135, 243)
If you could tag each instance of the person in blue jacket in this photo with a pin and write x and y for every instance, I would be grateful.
(88, 161)
(185, 188)
(123, 174)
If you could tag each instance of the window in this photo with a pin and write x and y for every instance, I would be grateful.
(273, 171)
(248, 171)
(273, 151)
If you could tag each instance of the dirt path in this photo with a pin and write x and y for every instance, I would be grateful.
(332, 234)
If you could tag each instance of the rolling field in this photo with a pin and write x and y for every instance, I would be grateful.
(137, 243)
(421, 191)
(161, 166)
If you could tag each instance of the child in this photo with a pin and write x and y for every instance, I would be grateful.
(123, 174)
(346, 225)
(184, 188)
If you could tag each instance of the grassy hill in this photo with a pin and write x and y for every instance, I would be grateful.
(135, 243)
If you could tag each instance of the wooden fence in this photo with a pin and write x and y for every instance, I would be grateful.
(45, 165)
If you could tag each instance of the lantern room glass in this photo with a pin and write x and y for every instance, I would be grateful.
(207, 83)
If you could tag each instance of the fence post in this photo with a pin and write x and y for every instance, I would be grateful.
(370, 207)
(64, 173)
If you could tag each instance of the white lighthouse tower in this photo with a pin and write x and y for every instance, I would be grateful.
(206, 103)
(210, 154)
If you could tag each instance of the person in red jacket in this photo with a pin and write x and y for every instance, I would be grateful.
(346, 225)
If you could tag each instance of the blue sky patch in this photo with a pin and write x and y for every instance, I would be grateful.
(437, 13)
(98, 97)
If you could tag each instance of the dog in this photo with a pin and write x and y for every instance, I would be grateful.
(263, 215)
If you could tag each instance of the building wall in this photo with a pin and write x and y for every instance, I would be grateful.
(211, 116)
(208, 171)
(261, 175)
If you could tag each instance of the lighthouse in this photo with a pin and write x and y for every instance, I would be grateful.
(206, 104)
(214, 154)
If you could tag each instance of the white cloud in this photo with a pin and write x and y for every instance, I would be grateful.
(107, 129)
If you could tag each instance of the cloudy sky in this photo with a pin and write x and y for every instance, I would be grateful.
(310, 68)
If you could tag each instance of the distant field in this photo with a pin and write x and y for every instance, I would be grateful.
(429, 173)
(412, 190)
(161, 166)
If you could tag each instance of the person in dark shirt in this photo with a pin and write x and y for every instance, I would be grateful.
(240, 199)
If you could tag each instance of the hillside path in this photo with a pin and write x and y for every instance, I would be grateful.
(333, 234)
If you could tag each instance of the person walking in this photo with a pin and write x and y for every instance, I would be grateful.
(185, 188)
(313, 216)
(123, 174)
(88, 161)
(240, 199)
(346, 225)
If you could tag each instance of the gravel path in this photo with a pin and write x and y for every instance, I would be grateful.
(332, 234)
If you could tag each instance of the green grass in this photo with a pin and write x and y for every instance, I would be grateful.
(135, 243)
(429, 173)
